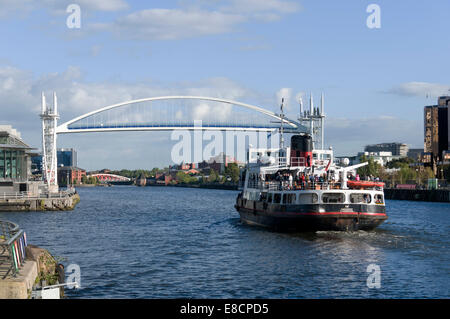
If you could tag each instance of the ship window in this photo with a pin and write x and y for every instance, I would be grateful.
(269, 198)
(256, 196)
(291, 198)
(333, 197)
(277, 198)
(284, 198)
(308, 198)
(263, 197)
(360, 198)
(379, 199)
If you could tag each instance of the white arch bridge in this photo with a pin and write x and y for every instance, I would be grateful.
(176, 113)
(165, 113)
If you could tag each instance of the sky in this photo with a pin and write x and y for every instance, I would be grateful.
(376, 81)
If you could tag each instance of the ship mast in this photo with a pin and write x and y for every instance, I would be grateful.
(322, 117)
(311, 114)
(281, 124)
(314, 119)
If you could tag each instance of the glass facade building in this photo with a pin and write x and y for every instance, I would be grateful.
(15, 160)
(67, 157)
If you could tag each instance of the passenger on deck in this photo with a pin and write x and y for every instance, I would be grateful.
(366, 198)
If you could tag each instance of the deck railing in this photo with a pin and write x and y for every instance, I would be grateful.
(13, 242)
(286, 185)
(298, 162)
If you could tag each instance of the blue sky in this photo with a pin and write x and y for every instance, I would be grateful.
(375, 81)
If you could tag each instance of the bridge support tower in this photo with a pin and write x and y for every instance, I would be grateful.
(49, 116)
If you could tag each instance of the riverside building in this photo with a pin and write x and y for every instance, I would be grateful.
(15, 162)
(396, 149)
(436, 129)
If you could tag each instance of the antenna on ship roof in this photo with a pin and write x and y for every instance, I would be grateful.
(322, 104)
(281, 124)
(322, 117)
(301, 105)
(311, 114)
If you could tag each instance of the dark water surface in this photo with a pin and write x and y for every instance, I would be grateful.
(164, 242)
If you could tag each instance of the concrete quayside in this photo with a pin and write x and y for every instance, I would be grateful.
(24, 267)
(60, 201)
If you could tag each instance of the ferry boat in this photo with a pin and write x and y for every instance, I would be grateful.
(302, 187)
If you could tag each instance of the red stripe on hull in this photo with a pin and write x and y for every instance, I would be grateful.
(325, 213)
(338, 213)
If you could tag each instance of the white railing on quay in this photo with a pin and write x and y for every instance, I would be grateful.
(30, 195)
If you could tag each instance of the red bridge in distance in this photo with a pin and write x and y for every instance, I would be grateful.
(102, 177)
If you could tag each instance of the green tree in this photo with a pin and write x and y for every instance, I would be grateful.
(425, 175)
(92, 180)
(407, 174)
(232, 170)
(399, 163)
(184, 178)
(213, 176)
(372, 168)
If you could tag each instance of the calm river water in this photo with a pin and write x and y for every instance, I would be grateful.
(164, 242)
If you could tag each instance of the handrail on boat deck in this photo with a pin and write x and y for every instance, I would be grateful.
(286, 185)
(297, 162)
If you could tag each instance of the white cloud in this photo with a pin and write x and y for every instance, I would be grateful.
(24, 7)
(220, 87)
(201, 111)
(422, 89)
(170, 24)
(199, 19)
(16, 88)
(284, 93)
(100, 5)
(18, 7)
(267, 10)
